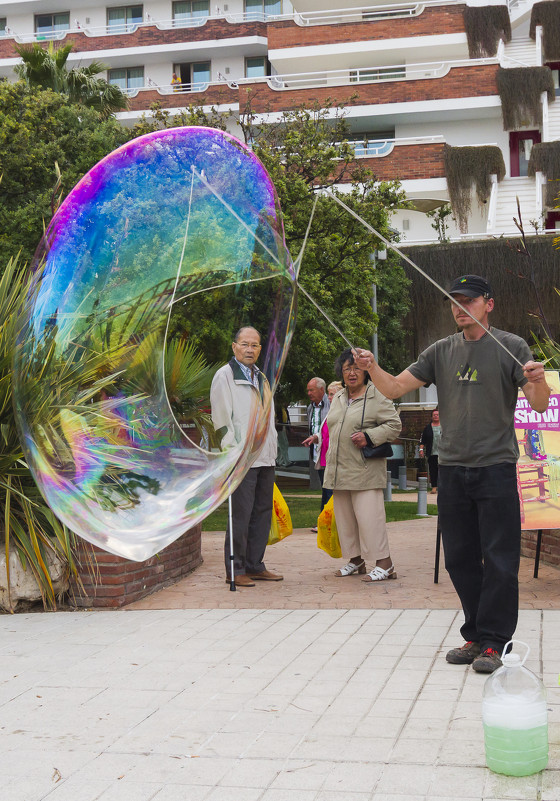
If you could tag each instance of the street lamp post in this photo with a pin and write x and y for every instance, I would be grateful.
(377, 255)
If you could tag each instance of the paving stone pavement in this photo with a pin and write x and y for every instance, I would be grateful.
(298, 703)
(310, 583)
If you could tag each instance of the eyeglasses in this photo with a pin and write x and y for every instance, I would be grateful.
(247, 345)
(352, 369)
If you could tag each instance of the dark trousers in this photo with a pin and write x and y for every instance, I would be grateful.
(433, 468)
(326, 494)
(481, 532)
(251, 506)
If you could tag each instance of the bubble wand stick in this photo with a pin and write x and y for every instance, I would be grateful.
(391, 245)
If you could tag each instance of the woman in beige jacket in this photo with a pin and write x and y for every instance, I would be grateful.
(358, 483)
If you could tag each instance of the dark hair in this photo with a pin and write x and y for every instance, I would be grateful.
(346, 356)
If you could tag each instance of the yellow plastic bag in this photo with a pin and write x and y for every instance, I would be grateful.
(327, 532)
(281, 524)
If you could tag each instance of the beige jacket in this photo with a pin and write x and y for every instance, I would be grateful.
(235, 402)
(346, 467)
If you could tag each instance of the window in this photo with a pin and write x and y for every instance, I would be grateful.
(2, 27)
(124, 18)
(127, 77)
(381, 74)
(186, 10)
(200, 75)
(261, 9)
(194, 75)
(46, 24)
(257, 67)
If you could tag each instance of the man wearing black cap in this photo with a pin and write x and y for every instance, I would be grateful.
(477, 381)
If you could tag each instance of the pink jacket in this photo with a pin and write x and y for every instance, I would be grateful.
(323, 445)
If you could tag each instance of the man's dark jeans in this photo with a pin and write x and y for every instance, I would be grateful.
(481, 531)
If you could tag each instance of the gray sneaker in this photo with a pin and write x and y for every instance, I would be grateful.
(465, 655)
(487, 662)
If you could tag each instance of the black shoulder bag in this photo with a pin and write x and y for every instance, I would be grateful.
(383, 451)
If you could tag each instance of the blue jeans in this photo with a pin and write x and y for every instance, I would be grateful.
(481, 533)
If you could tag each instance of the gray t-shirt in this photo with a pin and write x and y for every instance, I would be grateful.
(477, 384)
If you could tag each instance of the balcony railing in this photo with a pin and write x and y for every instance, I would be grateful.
(377, 148)
(331, 17)
(327, 78)
(367, 13)
(396, 72)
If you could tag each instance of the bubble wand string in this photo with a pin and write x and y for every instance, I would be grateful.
(324, 313)
(297, 263)
(419, 269)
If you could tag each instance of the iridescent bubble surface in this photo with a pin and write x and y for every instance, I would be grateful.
(153, 262)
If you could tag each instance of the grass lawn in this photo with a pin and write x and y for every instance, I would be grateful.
(304, 512)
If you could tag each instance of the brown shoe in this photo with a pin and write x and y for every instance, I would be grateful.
(265, 575)
(242, 581)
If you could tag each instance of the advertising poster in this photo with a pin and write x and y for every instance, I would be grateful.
(538, 468)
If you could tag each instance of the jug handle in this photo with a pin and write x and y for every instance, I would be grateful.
(519, 642)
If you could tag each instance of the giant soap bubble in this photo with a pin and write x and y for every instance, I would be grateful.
(174, 238)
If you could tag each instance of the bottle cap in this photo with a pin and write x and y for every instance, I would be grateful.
(511, 659)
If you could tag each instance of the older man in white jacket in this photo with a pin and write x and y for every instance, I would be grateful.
(234, 390)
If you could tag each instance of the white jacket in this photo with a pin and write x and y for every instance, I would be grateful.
(234, 400)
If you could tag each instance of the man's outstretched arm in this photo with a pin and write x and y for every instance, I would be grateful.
(391, 386)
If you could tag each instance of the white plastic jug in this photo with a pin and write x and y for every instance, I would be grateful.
(514, 716)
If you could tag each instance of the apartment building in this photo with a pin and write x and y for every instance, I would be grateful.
(417, 83)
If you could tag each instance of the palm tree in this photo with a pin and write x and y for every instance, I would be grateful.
(46, 68)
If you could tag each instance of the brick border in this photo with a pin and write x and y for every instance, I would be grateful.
(121, 581)
(550, 546)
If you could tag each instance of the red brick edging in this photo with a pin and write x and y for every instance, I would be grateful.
(550, 546)
(121, 581)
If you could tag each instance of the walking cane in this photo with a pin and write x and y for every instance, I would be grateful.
(232, 586)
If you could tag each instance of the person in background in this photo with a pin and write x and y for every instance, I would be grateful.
(175, 82)
(236, 387)
(429, 447)
(282, 422)
(478, 504)
(360, 415)
(316, 415)
(321, 440)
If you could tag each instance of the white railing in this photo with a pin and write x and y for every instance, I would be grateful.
(516, 4)
(331, 17)
(373, 74)
(511, 232)
(312, 80)
(184, 88)
(539, 44)
(545, 118)
(492, 203)
(540, 183)
(378, 148)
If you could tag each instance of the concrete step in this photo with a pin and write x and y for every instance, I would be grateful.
(554, 119)
(508, 191)
(520, 53)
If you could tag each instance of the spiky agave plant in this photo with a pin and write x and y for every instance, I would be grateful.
(58, 387)
(187, 379)
(26, 522)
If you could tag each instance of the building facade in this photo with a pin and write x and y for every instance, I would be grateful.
(420, 83)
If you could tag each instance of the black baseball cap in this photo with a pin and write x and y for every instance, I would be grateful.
(472, 286)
